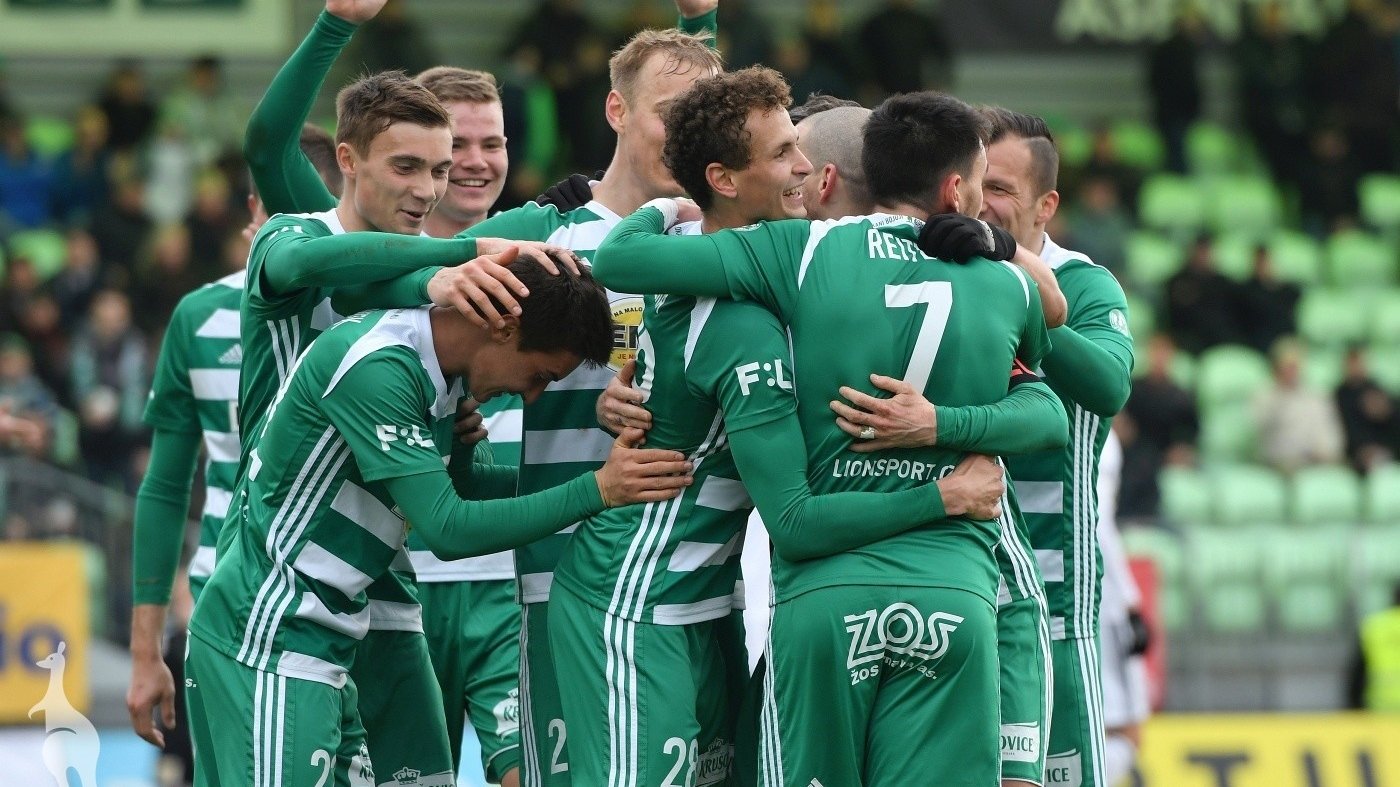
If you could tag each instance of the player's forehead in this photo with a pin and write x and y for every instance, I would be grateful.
(476, 119)
(664, 75)
(404, 140)
(1009, 158)
(769, 129)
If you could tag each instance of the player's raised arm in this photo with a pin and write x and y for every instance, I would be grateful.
(1092, 359)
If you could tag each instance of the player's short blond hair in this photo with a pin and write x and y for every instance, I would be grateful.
(449, 84)
(682, 51)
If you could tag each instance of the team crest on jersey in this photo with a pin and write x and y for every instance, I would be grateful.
(627, 324)
(1119, 321)
(507, 713)
(897, 638)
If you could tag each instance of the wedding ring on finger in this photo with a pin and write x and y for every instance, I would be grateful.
(867, 433)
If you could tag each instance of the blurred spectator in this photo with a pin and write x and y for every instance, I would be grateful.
(210, 221)
(1099, 226)
(1369, 415)
(805, 75)
(1158, 427)
(1273, 67)
(1104, 163)
(1373, 682)
(205, 112)
(233, 256)
(1354, 83)
(110, 381)
(41, 324)
(26, 181)
(81, 173)
(20, 285)
(827, 47)
(74, 285)
(121, 226)
(591, 140)
(1298, 426)
(163, 276)
(531, 123)
(905, 48)
(393, 39)
(1174, 82)
(171, 165)
(125, 100)
(1327, 183)
(556, 31)
(23, 396)
(744, 36)
(1200, 302)
(1268, 307)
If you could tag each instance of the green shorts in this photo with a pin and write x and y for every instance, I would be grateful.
(473, 631)
(645, 704)
(881, 685)
(258, 729)
(1076, 753)
(401, 706)
(544, 754)
(1023, 653)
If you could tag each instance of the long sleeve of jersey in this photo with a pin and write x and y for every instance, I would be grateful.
(804, 526)
(454, 528)
(476, 476)
(295, 262)
(162, 506)
(1095, 374)
(1029, 419)
(405, 291)
(287, 181)
(626, 261)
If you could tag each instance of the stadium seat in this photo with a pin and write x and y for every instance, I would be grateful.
(1234, 255)
(1385, 318)
(1358, 259)
(1075, 144)
(1380, 201)
(49, 136)
(46, 249)
(1297, 257)
(1172, 204)
(1323, 368)
(1333, 317)
(1138, 145)
(1245, 204)
(1142, 319)
(1303, 575)
(1212, 149)
(1186, 496)
(1382, 490)
(1325, 494)
(1375, 566)
(1228, 433)
(1384, 364)
(1164, 548)
(1152, 259)
(1247, 494)
(1225, 579)
(1229, 374)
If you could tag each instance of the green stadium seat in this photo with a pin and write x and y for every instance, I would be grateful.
(1325, 494)
(1075, 144)
(1333, 318)
(1225, 579)
(49, 136)
(1234, 255)
(1322, 368)
(1230, 373)
(46, 249)
(1384, 364)
(1380, 201)
(1186, 496)
(1304, 578)
(1245, 204)
(1375, 566)
(1172, 204)
(1359, 259)
(1385, 318)
(1382, 490)
(1142, 318)
(1247, 494)
(1164, 548)
(1138, 145)
(1152, 259)
(1297, 257)
(1229, 433)
(1212, 149)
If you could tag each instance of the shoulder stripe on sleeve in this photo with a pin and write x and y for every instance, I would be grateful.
(1021, 276)
(818, 231)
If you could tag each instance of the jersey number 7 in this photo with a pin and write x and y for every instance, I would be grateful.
(938, 295)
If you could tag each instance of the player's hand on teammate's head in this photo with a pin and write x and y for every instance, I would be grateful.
(906, 420)
(641, 475)
(483, 290)
(620, 405)
(959, 238)
(974, 489)
(467, 425)
(572, 192)
(550, 256)
(355, 11)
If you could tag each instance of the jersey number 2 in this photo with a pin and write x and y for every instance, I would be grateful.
(938, 295)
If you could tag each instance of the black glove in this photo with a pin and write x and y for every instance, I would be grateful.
(953, 236)
(1142, 635)
(569, 193)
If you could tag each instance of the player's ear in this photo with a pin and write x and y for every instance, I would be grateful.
(346, 159)
(1049, 203)
(615, 110)
(505, 334)
(720, 180)
(826, 186)
(949, 195)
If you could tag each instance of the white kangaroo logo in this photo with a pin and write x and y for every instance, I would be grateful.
(70, 740)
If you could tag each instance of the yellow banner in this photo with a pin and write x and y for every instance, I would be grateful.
(43, 618)
(1296, 750)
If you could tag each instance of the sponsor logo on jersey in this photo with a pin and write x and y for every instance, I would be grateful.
(713, 765)
(1020, 742)
(627, 324)
(233, 356)
(361, 772)
(1064, 770)
(1119, 321)
(900, 468)
(771, 373)
(411, 436)
(406, 775)
(507, 713)
(897, 637)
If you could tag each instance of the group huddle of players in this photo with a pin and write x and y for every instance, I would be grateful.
(512, 486)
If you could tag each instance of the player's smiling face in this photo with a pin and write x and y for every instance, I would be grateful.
(479, 160)
(645, 134)
(401, 177)
(1008, 194)
(770, 187)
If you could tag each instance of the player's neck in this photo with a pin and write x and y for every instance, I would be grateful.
(453, 340)
(440, 225)
(350, 218)
(722, 215)
(621, 190)
(1036, 241)
(903, 209)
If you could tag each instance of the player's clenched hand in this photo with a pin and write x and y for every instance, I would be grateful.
(152, 686)
(907, 420)
(467, 426)
(641, 475)
(355, 11)
(620, 405)
(550, 256)
(953, 236)
(974, 488)
(483, 289)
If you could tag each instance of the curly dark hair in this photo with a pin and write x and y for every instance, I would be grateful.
(705, 125)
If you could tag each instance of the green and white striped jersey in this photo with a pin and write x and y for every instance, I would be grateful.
(195, 389)
(501, 416)
(359, 407)
(561, 437)
(705, 367)
(1058, 489)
